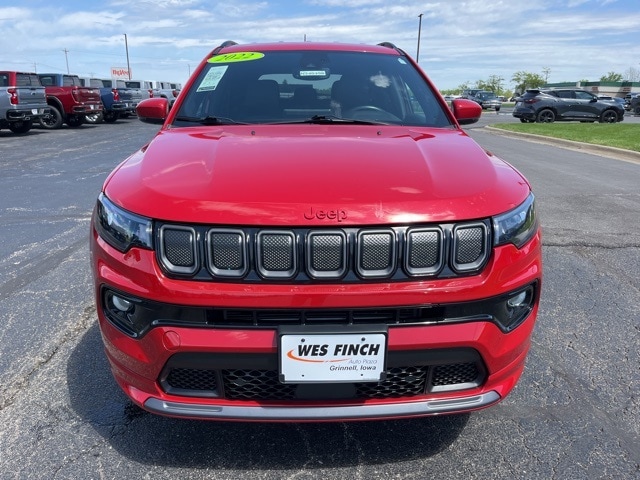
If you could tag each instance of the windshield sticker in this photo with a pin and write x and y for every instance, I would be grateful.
(212, 78)
(236, 57)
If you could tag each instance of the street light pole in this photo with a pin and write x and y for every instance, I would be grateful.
(419, 31)
(126, 46)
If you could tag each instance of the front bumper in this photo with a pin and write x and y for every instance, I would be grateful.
(143, 365)
(337, 413)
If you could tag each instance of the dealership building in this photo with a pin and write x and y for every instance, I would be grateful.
(613, 89)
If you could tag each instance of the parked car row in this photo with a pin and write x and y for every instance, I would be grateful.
(632, 103)
(484, 98)
(547, 106)
(53, 99)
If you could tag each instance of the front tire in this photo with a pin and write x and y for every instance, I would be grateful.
(21, 127)
(546, 116)
(53, 120)
(609, 116)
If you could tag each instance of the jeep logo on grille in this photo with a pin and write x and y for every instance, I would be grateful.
(336, 214)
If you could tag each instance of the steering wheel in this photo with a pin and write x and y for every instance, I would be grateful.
(370, 112)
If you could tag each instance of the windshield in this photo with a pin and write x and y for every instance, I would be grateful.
(310, 86)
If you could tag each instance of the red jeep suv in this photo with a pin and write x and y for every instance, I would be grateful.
(311, 236)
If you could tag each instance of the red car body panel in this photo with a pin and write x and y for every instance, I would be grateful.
(225, 176)
(326, 178)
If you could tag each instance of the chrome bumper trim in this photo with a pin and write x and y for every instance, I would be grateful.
(411, 409)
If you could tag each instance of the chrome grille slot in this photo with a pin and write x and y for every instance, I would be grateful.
(227, 253)
(376, 256)
(276, 254)
(470, 247)
(178, 249)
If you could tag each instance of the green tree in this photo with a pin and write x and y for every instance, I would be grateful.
(463, 86)
(494, 84)
(611, 77)
(525, 80)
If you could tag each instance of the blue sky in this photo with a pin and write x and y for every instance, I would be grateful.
(461, 41)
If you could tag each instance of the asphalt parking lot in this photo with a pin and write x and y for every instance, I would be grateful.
(574, 415)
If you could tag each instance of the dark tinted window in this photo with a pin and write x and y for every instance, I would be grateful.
(290, 86)
(564, 94)
(583, 95)
(4, 80)
(71, 81)
(27, 80)
(47, 80)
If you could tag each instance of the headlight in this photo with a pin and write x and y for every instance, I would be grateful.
(517, 226)
(121, 229)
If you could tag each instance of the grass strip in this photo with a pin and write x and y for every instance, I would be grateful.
(619, 135)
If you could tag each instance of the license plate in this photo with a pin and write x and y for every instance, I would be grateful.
(92, 107)
(328, 358)
(34, 111)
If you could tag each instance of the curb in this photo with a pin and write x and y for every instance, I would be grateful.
(601, 150)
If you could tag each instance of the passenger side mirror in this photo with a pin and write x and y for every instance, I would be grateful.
(466, 111)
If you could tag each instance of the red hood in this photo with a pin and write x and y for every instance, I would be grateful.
(307, 175)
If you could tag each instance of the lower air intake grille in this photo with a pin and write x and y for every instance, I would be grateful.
(258, 384)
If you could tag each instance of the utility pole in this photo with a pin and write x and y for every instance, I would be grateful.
(126, 46)
(66, 57)
(419, 31)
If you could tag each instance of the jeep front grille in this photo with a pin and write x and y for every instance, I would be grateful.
(306, 255)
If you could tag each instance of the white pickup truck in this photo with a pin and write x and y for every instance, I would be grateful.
(166, 90)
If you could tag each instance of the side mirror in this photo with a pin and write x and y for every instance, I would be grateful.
(466, 111)
(153, 110)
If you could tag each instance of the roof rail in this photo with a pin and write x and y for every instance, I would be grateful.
(225, 44)
(388, 45)
(393, 47)
(228, 43)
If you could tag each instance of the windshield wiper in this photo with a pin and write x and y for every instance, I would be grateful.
(327, 119)
(209, 120)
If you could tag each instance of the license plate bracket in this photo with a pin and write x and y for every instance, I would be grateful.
(349, 354)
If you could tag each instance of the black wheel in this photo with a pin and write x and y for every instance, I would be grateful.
(609, 116)
(546, 116)
(94, 118)
(111, 116)
(21, 127)
(637, 110)
(74, 121)
(53, 120)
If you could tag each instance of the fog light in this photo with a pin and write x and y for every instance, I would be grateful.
(121, 304)
(517, 301)
(514, 309)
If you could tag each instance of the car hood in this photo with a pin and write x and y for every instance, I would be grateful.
(314, 175)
